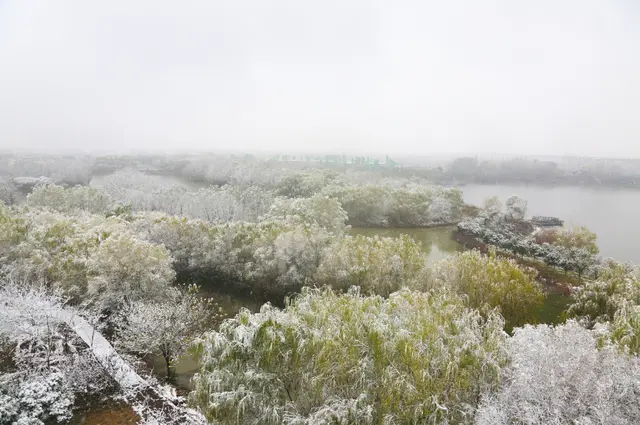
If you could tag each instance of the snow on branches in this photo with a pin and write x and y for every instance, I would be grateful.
(165, 326)
(488, 281)
(559, 376)
(378, 265)
(50, 364)
(329, 358)
(385, 206)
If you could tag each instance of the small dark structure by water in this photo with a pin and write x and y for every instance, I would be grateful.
(543, 221)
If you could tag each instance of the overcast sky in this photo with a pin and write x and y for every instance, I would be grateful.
(447, 76)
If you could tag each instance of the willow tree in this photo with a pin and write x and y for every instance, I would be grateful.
(487, 282)
(413, 357)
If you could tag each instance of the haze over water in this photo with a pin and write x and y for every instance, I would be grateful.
(610, 213)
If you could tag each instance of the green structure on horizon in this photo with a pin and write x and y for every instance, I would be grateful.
(360, 161)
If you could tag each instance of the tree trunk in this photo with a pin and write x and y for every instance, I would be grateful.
(171, 373)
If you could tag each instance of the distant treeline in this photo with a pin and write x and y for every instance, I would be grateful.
(221, 169)
(585, 172)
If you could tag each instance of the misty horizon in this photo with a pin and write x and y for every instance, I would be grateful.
(409, 77)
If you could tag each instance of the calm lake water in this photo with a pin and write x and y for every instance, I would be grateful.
(611, 213)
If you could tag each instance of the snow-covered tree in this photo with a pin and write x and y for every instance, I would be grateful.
(580, 259)
(151, 193)
(598, 301)
(194, 244)
(49, 363)
(343, 359)
(317, 210)
(9, 193)
(125, 269)
(378, 265)
(30, 318)
(13, 230)
(446, 206)
(560, 376)
(516, 237)
(79, 198)
(488, 281)
(270, 258)
(53, 252)
(386, 206)
(366, 205)
(284, 263)
(408, 208)
(306, 183)
(55, 249)
(578, 238)
(62, 169)
(228, 203)
(143, 192)
(235, 170)
(516, 207)
(26, 184)
(493, 205)
(166, 326)
(548, 236)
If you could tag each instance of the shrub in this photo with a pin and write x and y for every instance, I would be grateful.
(36, 400)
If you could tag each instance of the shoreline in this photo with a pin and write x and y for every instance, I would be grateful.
(545, 277)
